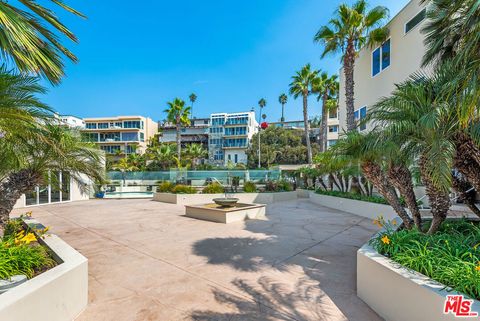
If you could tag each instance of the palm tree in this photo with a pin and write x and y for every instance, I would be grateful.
(178, 114)
(162, 155)
(327, 89)
(361, 147)
(195, 152)
(261, 103)
(31, 38)
(264, 116)
(124, 165)
(282, 99)
(351, 29)
(193, 99)
(303, 84)
(60, 149)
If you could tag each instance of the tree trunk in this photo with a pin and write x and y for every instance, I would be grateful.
(323, 130)
(307, 127)
(373, 172)
(12, 188)
(283, 118)
(401, 177)
(179, 141)
(348, 69)
(438, 199)
(462, 187)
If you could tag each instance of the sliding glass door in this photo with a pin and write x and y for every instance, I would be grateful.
(58, 190)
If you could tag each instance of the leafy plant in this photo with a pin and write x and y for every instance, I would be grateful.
(270, 186)
(165, 187)
(183, 189)
(358, 197)
(249, 187)
(213, 188)
(450, 256)
(284, 186)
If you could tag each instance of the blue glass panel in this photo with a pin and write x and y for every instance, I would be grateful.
(386, 54)
(376, 62)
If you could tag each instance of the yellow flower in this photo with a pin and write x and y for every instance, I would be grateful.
(385, 239)
(379, 221)
(30, 237)
(477, 268)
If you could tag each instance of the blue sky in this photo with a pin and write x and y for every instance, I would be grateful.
(134, 57)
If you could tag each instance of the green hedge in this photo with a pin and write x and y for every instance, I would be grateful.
(358, 197)
(451, 256)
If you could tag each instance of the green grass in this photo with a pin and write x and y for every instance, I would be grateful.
(451, 256)
(358, 197)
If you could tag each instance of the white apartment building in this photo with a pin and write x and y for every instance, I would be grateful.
(70, 121)
(195, 133)
(121, 134)
(333, 127)
(377, 70)
(229, 137)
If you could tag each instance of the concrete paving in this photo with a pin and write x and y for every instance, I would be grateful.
(147, 261)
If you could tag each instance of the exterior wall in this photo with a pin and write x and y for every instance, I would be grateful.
(70, 121)
(149, 130)
(406, 53)
(332, 121)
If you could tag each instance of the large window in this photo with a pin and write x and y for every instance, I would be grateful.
(235, 142)
(232, 131)
(133, 124)
(381, 58)
(103, 125)
(412, 23)
(91, 125)
(110, 137)
(359, 115)
(130, 137)
(110, 149)
(58, 190)
(237, 120)
(333, 113)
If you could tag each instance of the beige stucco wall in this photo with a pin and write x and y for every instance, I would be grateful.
(406, 55)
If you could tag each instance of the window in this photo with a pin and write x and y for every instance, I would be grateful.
(102, 125)
(359, 115)
(111, 149)
(236, 131)
(333, 129)
(218, 155)
(236, 158)
(132, 124)
(229, 157)
(412, 23)
(381, 58)
(333, 113)
(130, 149)
(91, 125)
(90, 137)
(109, 137)
(118, 124)
(130, 137)
(331, 142)
(142, 137)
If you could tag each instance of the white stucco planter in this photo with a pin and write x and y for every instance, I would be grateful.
(399, 294)
(59, 294)
(255, 198)
(360, 208)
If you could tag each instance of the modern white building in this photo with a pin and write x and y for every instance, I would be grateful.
(70, 121)
(229, 137)
(377, 70)
(333, 127)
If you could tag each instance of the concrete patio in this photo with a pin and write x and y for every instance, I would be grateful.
(149, 262)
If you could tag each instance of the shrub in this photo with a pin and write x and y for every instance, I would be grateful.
(183, 189)
(165, 187)
(284, 186)
(358, 197)
(451, 256)
(270, 186)
(249, 187)
(213, 188)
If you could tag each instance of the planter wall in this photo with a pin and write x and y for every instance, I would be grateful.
(361, 208)
(59, 294)
(397, 294)
(255, 198)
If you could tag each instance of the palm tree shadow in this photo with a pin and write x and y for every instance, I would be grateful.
(270, 300)
(243, 254)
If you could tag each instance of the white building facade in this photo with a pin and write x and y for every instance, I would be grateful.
(230, 136)
(378, 69)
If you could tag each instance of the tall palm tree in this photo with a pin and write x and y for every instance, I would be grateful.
(282, 99)
(303, 84)
(30, 38)
(351, 29)
(261, 103)
(193, 99)
(178, 114)
(327, 89)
